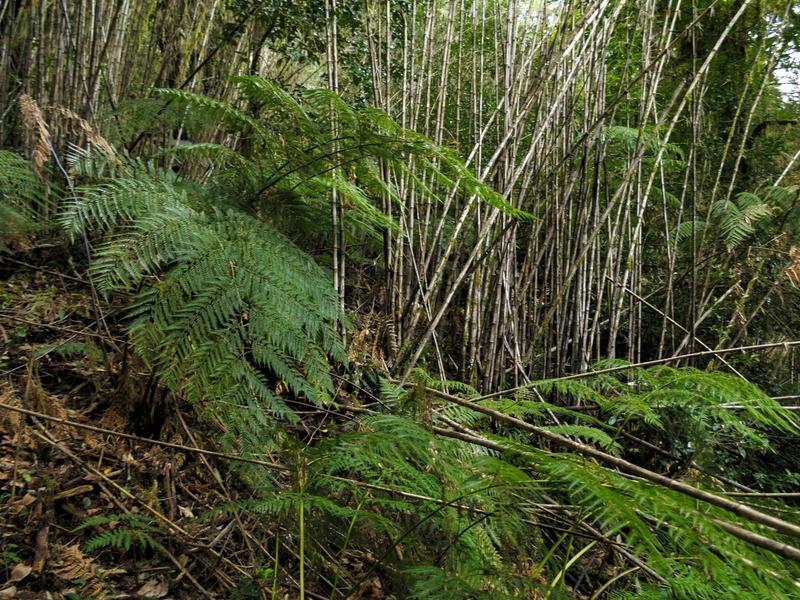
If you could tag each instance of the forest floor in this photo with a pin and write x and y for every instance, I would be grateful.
(88, 514)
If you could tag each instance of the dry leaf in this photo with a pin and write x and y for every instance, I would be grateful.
(8, 593)
(22, 503)
(37, 130)
(19, 572)
(153, 588)
(73, 565)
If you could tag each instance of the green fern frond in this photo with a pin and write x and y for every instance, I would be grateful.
(737, 218)
(231, 299)
(137, 531)
(684, 230)
(24, 203)
(588, 434)
(391, 393)
(121, 539)
(215, 111)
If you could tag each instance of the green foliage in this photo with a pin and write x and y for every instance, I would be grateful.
(687, 410)
(234, 315)
(24, 202)
(326, 145)
(226, 299)
(450, 513)
(124, 531)
(8, 556)
(732, 221)
(227, 310)
(631, 138)
(736, 219)
(664, 528)
(435, 583)
(675, 536)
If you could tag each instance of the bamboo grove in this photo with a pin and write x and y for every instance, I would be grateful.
(528, 254)
(619, 126)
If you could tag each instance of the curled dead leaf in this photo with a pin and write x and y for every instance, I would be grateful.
(19, 572)
(153, 588)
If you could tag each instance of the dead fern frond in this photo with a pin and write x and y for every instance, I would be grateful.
(38, 133)
(74, 566)
(793, 269)
(9, 420)
(82, 127)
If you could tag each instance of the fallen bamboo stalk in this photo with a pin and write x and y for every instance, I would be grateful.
(650, 363)
(737, 508)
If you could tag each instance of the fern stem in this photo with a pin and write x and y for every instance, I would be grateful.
(344, 548)
(275, 568)
(560, 576)
(302, 510)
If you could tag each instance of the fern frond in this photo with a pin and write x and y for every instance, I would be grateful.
(137, 531)
(234, 299)
(24, 202)
(120, 539)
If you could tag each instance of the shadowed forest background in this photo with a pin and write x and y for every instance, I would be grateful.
(431, 299)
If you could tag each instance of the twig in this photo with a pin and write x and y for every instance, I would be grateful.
(37, 268)
(765, 494)
(648, 363)
(45, 436)
(60, 328)
(136, 438)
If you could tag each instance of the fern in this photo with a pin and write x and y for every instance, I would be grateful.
(736, 219)
(435, 583)
(665, 529)
(137, 531)
(24, 203)
(314, 158)
(588, 434)
(229, 308)
(684, 407)
(234, 316)
(120, 539)
(675, 537)
(647, 136)
(231, 301)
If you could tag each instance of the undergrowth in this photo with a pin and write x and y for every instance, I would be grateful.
(437, 500)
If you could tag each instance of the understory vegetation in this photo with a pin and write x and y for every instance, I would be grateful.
(456, 299)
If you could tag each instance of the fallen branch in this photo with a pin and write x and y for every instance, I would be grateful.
(737, 508)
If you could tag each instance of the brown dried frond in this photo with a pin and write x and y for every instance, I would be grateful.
(74, 566)
(94, 137)
(10, 421)
(793, 269)
(35, 397)
(37, 130)
(375, 333)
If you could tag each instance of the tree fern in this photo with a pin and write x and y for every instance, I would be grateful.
(736, 219)
(228, 305)
(312, 159)
(666, 530)
(688, 406)
(680, 540)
